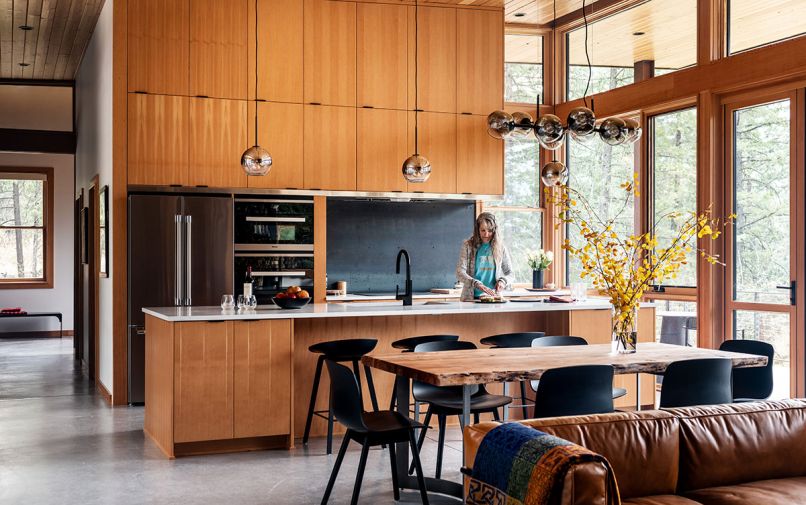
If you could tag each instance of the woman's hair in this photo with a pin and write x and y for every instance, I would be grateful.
(496, 243)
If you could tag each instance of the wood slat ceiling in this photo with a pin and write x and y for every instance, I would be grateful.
(53, 48)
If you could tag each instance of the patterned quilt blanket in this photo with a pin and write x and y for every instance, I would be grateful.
(518, 465)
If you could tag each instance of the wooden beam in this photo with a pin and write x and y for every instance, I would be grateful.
(37, 141)
(711, 30)
(644, 69)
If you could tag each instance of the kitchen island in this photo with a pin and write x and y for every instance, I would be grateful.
(219, 381)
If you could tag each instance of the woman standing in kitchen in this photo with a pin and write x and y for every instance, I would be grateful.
(484, 262)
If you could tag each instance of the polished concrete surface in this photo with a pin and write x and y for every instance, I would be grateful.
(61, 444)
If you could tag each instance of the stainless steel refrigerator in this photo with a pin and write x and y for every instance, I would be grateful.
(180, 254)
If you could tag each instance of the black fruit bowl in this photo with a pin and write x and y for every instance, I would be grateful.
(290, 303)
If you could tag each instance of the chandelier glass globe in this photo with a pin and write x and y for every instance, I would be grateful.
(256, 161)
(416, 168)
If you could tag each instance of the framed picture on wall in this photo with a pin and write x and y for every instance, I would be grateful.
(103, 229)
(84, 221)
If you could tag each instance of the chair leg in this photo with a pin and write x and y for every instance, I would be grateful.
(461, 424)
(329, 425)
(312, 405)
(476, 418)
(440, 444)
(395, 484)
(418, 467)
(496, 416)
(358, 379)
(422, 435)
(523, 401)
(393, 401)
(360, 475)
(336, 466)
(371, 387)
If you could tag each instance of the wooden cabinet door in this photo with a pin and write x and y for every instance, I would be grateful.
(382, 41)
(218, 48)
(329, 52)
(280, 58)
(203, 381)
(438, 144)
(279, 128)
(262, 378)
(480, 61)
(217, 140)
(436, 54)
(157, 139)
(383, 144)
(329, 148)
(158, 45)
(480, 158)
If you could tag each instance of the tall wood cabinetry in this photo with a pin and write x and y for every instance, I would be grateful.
(336, 93)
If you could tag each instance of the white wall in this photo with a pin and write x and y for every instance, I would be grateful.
(94, 156)
(60, 297)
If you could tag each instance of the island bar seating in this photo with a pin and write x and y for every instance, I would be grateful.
(349, 350)
(693, 382)
(510, 340)
(751, 384)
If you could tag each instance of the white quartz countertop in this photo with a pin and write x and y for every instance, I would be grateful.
(367, 309)
(356, 297)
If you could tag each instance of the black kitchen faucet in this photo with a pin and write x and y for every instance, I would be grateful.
(406, 296)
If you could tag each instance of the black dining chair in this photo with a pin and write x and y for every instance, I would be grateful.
(575, 391)
(408, 345)
(444, 401)
(368, 429)
(561, 340)
(751, 383)
(697, 382)
(510, 340)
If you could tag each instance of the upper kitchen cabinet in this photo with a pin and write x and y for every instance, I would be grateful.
(158, 45)
(437, 142)
(480, 158)
(157, 139)
(384, 142)
(329, 141)
(280, 58)
(436, 55)
(382, 40)
(218, 48)
(279, 132)
(329, 52)
(480, 61)
(216, 141)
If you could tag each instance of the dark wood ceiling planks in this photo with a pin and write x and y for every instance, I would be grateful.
(53, 48)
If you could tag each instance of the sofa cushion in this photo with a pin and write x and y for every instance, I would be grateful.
(665, 499)
(766, 492)
(642, 447)
(731, 444)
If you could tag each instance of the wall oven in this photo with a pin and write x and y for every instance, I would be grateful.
(273, 272)
(273, 224)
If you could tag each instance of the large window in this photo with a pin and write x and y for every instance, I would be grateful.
(523, 68)
(752, 23)
(24, 219)
(674, 177)
(660, 34)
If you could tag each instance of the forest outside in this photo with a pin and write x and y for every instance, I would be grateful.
(22, 207)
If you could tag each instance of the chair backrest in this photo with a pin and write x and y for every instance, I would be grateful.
(552, 341)
(751, 382)
(445, 345)
(575, 390)
(408, 344)
(345, 398)
(697, 382)
(522, 339)
(673, 330)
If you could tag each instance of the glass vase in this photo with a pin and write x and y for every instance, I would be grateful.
(624, 325)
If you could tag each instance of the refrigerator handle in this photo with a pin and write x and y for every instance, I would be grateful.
(178, 277)
(189, 259)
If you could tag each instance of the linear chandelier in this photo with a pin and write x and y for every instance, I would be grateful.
(551, 132)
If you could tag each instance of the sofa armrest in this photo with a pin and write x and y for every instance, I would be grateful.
(585, 484)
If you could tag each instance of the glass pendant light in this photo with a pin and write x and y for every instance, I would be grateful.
(554, 173)
(256, 160)
(549, 132)
(416, 168)
(500, 124)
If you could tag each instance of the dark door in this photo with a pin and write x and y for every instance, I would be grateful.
(209, 262)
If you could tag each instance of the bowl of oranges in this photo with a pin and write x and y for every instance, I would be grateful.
(292, 298)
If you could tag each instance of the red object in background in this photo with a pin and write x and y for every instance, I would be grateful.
(560, 299)
(13, 310)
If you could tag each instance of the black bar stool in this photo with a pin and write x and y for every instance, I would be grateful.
(350, 350)
(408, 345)
(510, 340)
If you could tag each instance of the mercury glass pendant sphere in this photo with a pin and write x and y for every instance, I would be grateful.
(581, 123)
(613, 131)
(633, 130)
(522, 124)
(500, 124)
(550, 132)
(416, 168)
(554, 173)
(256, 161)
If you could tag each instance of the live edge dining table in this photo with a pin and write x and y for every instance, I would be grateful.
(485, 366)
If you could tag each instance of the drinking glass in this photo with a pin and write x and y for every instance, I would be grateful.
(241, 302)
(227, 302)
(579, 291)
(251, 302)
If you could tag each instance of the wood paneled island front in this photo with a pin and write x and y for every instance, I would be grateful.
(220, 381)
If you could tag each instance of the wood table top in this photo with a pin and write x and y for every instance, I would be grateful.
(483, 366)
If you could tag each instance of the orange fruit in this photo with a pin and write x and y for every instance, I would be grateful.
(303, 294)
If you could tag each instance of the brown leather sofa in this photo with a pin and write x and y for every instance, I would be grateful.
(751, 453)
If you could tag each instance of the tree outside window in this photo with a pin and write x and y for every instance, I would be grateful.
(23, 226)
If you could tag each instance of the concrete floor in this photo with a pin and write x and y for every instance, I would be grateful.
(61, 444)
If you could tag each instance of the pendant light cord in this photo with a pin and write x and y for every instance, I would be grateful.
(587, 55)
(257, 46)
(416, 76)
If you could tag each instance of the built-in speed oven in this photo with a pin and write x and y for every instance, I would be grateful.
(273, 272)
(273, 224)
